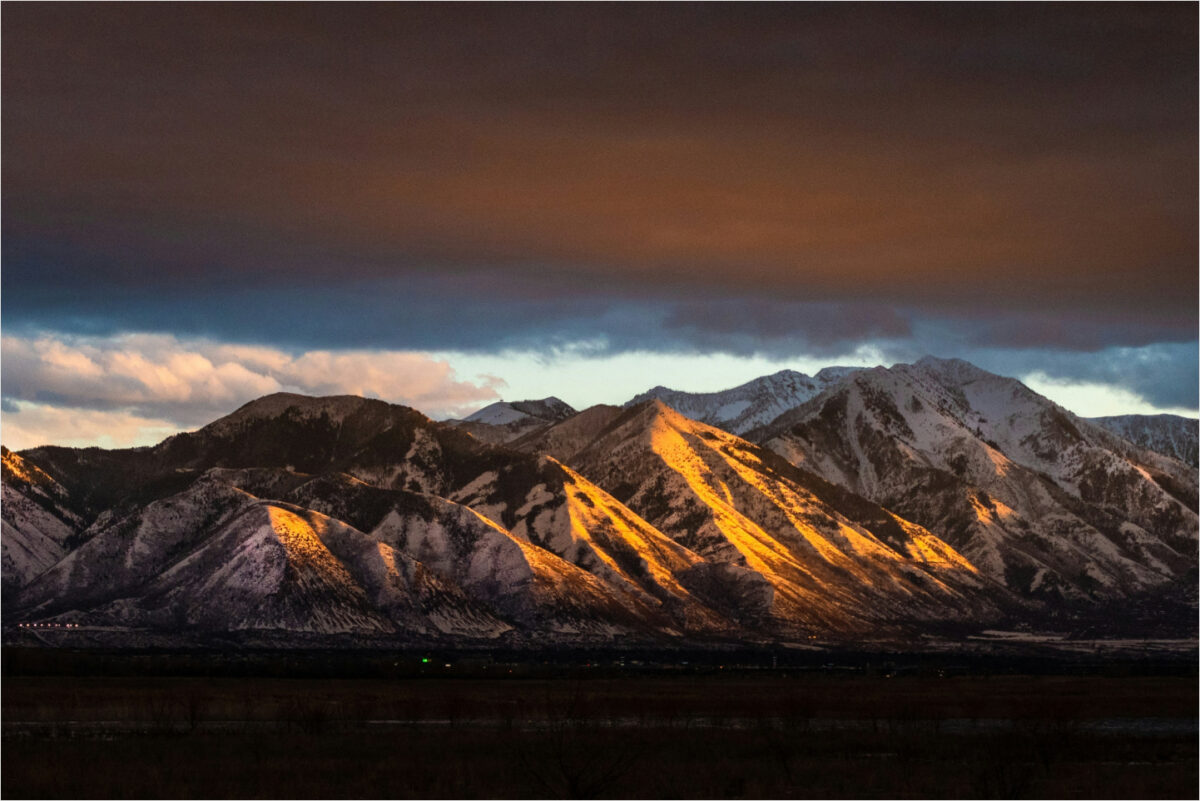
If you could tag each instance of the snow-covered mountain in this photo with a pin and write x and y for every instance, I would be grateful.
(504, 421)
(1047, 503)
(789, 552)
(750, 405)
(503, 412)
(329, 516)
(892, 501)
(1168, 434)
(566, 438)
(353, 517)
(38, 521)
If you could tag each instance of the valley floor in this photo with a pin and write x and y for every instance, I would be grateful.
(709, 733)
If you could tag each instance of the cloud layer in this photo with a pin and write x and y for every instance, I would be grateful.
(157, 381)
(136, 389)
(347, 188)
(1040, 158)
(28, 425)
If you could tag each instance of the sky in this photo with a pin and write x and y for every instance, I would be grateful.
(445, 205)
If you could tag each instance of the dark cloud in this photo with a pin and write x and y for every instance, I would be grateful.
(1166, 375)
(1078, 332)
(1027, 154)
(777, 178)
(778, 328)
(481, 314)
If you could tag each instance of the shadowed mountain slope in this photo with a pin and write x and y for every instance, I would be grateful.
(505, 421)
(1167, 434)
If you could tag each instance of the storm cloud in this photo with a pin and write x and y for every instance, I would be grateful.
(1010, 183)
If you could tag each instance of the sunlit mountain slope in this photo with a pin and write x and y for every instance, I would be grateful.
(1034, 496)
(893, 501)
(811, 563)
(39, 524)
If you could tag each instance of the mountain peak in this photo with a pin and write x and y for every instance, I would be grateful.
(783, 374)
(835, 373)
(747, 406)
(336, 407)
(644, 419)
(954, 369)
(279, 401)
(550, 408)
(505, 412)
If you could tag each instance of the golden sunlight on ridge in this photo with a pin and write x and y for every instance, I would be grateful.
(761, 551)
(660, 554)
(302, 542)
(695, 451)
(25, 471)
(993, 513)
(387, 555)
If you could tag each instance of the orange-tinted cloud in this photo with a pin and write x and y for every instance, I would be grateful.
(1038, 157)
(189, 382)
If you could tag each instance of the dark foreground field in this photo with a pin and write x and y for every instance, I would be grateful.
(707, 733)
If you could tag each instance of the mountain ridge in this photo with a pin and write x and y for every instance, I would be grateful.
(943, 443)
(1168, 434)
(505, 421)
(891, 500)
(756, 402)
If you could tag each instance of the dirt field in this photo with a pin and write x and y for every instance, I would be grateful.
(774, 734)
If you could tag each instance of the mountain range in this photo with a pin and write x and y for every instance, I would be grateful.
(923, 500)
